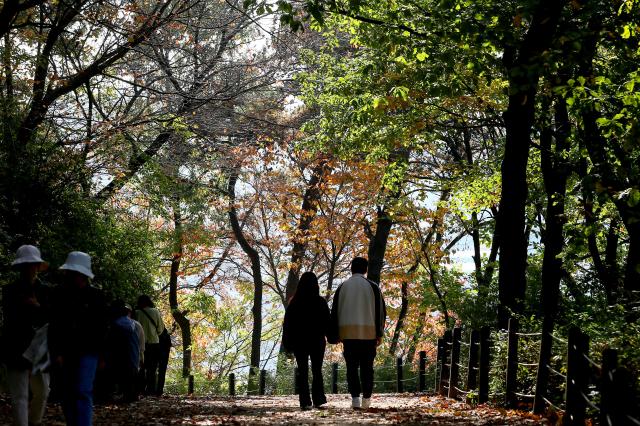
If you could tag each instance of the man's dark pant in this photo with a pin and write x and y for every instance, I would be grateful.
(359, 355)
(163, 362)
(151, 357)
(316, 353)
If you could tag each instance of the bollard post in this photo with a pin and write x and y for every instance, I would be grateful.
(232, 384)
(422, 378)
(446, 366)
(439, 362)
(472, 364)
(483, 376)
(263, 382)
(191, 384)
(334, 377)
(607, 391)
(454, 374)
(399, 382)
(511, 399)
(577, 377)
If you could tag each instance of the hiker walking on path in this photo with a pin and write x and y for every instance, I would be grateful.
(123, 351)
(153, 327)
(77, 336)
(305, 328)
(24, 349)
(358, 315)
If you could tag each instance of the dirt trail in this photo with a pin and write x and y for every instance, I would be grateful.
(276, 410)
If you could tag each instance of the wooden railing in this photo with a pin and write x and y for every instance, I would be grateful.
(612, 395)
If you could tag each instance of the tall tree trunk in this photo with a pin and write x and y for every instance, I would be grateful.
(179, 316)
(555, 173)
(256, 272)
(523, 65)
(612, 178)
(404, 307)
(417, 335)
(307, 213)
(378, 244)
(384, 223)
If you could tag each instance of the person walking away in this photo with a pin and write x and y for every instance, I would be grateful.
(123, 351)
(164, 346)
(25, 307)
(358, 314)
(152, 324)
(306, 322)
(77, 336)
(141, 341)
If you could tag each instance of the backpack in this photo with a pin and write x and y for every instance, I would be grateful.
(164, 337)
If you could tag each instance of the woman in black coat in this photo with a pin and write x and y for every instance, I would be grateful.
(305, 329)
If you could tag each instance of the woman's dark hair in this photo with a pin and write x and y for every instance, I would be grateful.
(307, 288)
(144, 301)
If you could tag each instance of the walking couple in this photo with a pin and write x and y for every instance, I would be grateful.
(356, 320)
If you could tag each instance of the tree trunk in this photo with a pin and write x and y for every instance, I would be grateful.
(180, 317)
(378, 244)
(307, 213)
(401, 316)
(555, 173)
(417, 334)
(614, 181)
(256, 272)
(523, 65)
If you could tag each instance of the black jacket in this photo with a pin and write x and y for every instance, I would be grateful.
(78, 323)
(306, 324)
(22, 319)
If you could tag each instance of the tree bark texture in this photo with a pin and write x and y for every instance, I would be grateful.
(555, 173)
(179, 316)
(523, 64)
(308, 211)
(256, 272)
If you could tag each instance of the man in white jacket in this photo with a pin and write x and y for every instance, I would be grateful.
(358, 315)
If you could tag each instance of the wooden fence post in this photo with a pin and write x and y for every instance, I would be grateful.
(512, 364)
(454, 375)
(607, 391)
(483, 376)
(191, 384)
(472, 365)
(439, 363)
(334, 377)
(263, 382)
(626, 411)
(422, 371)
(232, 384)
(296, 386)
(446, 367)
(399, 383)
(544, 361)
(577, 377)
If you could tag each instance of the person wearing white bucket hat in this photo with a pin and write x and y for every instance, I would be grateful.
(25, 309)
(79, 262)
(77, 336)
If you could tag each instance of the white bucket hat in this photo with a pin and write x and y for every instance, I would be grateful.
(27, 254)
(78, 261)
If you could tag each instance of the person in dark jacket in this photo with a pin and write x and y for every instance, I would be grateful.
(123, 351)
(305, 328)
(77, 335)
(358, 316)
(25, 312)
